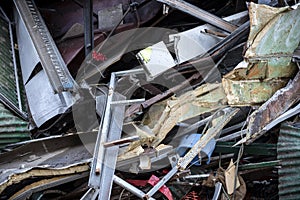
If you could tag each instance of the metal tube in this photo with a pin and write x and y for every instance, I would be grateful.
(129, 187)
(165, 179)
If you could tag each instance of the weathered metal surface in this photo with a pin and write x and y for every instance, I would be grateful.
(250, 92)
(12, 128)
(44, 104)
(50, 58)
(273, 39)
(278, 104)
(288, 152)
(271, 43)
(45, 158)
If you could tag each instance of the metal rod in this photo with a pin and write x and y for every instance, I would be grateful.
(129, 72)
(88, 26)
(217, 193)
(165, 179)
(121, 141)
(103, 132)
(200, 14)
(128, 102)
(129, 187)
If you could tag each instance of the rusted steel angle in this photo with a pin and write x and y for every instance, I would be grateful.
(200, 14)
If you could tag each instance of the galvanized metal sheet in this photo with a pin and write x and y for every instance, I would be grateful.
(42, 101)
(288, 150)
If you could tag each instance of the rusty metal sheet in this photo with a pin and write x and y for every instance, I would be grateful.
(268, 59)
(279, 103)
(273, 39)
(250, 92)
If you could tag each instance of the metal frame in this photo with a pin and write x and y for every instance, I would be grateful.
(104, 159)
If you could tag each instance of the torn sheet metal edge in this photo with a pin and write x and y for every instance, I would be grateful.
(51, 59)
(21, 174)
(26, 194)
(43, 103)
(200, 14)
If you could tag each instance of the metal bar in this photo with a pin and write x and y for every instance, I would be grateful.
(121, 141)
(98, 157)
(51, 59)
(88, 26)
(111, 154)
(209, 134)
(127, 102)
(200, 14)
(91, 194)
(130, 187)
(165, 179)
(129, 72)
(217, 192)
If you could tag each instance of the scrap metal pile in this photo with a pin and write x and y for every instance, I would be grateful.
(145, 99)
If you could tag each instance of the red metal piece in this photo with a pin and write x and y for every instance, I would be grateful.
(164, 189)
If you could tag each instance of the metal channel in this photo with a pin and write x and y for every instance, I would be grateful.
(51, 59)
(111, 153)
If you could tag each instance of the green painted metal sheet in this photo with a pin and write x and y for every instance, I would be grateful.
(288, 151)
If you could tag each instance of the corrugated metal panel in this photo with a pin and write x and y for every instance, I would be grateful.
(288, 150)
(11, 92)
(7, 74)
(12, 128)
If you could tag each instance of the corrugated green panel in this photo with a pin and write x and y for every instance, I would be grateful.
(12, 128)
(7, 76)
(288, 151)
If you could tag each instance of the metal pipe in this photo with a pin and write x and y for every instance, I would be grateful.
(129, 187)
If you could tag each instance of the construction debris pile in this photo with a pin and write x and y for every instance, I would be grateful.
(165, 99)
